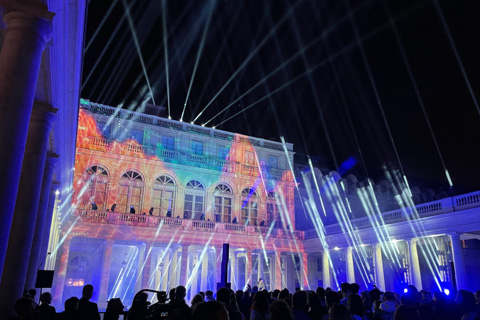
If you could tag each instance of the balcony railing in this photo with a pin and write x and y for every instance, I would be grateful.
(457, 203)
(136, 220)
(137, 150)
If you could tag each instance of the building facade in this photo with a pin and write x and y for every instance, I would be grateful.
(155, 199)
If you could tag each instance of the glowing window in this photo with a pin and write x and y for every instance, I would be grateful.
(249, 207)
(168, 142)
(197, 147)
(96, 188)
(130, 192)
(163, 197)
(194, 200)
(223, 197)
(274, 213)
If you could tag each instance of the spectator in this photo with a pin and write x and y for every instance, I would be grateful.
(45, 311)
(211, 310)
(24, 309)
(466, 301)
(339, 312)
(355, 305)
(86, 308)
(259, 308)
(406, 312)
(197, 299)
(71, 310)
(316, 309)
(279, 310)
(139, 309)
(179, 309)
(114, 309)
(300, 306)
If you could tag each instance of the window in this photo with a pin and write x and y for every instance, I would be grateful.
(96, 178)
(273, 161)
(136, 135)
(274, 214)
(130, 192)
(104, 129)
(194, 200)
(249, 157)
(197, 147)
(223, 152)
(249, 207)
(163, 198)
(168, 142)
(223, 203)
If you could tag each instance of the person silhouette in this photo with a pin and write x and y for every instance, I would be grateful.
(150, 212)
(262, 224)
(94, 206)
(169, 213)
(132, 210)
(235, 220)
(114, 206)
(86, 308)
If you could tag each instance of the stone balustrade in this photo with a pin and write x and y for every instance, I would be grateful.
(433, 208)
(116, 218)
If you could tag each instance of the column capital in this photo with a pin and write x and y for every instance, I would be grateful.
(31, 20)
(36, 9)
(454, 235)
(43, 113)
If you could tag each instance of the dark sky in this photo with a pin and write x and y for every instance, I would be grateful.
(328, 75)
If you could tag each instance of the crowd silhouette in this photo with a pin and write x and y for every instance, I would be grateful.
(255, 304)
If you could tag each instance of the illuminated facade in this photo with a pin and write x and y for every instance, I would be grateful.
(192, 189)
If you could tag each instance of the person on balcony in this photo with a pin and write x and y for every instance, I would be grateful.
(150, 212)
(169, 213)
(94, 206)
(202, 217)
(114, 206)
(235, 220)
(132, 210)
(262, 224)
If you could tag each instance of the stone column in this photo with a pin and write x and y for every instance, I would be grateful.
(47, 248)
(415, 274)
(147, 272)
(107, 262)
(204, 273)
(379, 274)
(458, 262)
(142, 252)
(37, 256)
(350, 266)
(278, 271)
(20, 57)
(218, 265)
(248, 276)
(184, 266)
(23, 223)
(304, 271)
(327, 282)
(61, 272)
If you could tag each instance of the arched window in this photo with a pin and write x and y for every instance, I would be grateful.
(163, 198)
(96, 188)
(249, 207)
(223, 195)
(194, 200)
(274, 207)
(130, 192)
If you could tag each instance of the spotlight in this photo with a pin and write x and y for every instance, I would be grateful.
(57, 192)
(192, 122)
(336, 248)
(203, 124)
(364, 245)
(446, 291)
(169, 118)
(213, 127)
(405, 290)
(181, 120)
(395, 240)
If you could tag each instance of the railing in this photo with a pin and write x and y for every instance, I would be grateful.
(442, 206)
(196, 159)
(168, 123)
(116, 218)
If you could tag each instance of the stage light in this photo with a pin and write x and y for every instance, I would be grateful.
(336, 248)
(446, 291)
(405, 290)
(169, 118)
(213, 127)
(57, 192)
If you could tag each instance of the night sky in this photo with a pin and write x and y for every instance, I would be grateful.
(329, 76)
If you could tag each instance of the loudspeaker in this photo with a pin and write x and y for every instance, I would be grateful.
(44, 279)
(224, 268)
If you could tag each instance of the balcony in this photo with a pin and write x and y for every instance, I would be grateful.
(434, 208)
(135, 220)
